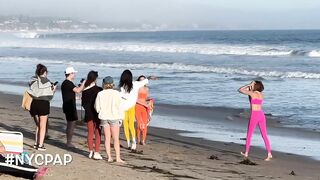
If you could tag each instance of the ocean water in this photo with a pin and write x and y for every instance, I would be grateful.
(202, 68)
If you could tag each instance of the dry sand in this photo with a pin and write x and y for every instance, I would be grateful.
(167, 155)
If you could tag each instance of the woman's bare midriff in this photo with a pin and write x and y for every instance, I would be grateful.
(255, 107)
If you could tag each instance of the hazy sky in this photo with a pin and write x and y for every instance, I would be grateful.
(212, 14)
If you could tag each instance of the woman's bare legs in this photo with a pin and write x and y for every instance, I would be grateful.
(107, 141)
(115, 130)
(36, 120)
(42, 129)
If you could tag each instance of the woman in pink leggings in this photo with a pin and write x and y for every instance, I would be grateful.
(254, 91)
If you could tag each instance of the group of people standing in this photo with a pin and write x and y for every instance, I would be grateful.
(106, 108)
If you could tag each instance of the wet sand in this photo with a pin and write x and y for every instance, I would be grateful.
(167, 154)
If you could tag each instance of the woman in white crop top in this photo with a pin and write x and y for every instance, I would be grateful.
(129, 93)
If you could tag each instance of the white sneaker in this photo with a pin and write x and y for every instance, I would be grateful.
(129, 144)
(97, 156)
(134, 145)
(90, 154)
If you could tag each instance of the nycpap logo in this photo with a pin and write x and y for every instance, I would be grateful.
(38, 159)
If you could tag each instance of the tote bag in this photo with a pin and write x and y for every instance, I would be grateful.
(26, 101)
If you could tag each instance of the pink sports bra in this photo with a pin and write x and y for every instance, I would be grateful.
(256, 101)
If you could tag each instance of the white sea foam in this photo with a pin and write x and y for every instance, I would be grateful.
(27, 35)
(314, 53)
(204, 49)
(31, 60)
(176, 67)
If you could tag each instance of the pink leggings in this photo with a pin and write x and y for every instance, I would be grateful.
(257, 117)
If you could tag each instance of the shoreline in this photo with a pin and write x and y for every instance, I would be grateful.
(241, 114)
(225, 124)
(237, 116)
(168, 155)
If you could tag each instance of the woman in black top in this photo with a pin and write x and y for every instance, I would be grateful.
(89, 95)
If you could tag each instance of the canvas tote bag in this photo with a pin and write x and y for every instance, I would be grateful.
(26, 101)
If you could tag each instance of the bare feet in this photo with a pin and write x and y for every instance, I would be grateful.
(121, 161)
(245, 155)
(110, 160)
(269, 157)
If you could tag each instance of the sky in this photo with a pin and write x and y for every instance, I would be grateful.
(187, 14)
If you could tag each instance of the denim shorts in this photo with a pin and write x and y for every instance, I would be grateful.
(111, 122)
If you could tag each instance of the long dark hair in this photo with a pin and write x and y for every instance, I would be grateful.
(92, 76)
(41, 69)
(258, 86)
(142, 76)
(126, 81)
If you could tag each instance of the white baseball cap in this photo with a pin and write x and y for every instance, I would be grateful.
(70, 70)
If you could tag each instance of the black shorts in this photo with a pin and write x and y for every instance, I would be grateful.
(70, 112)
(39, 107)
(71, 116)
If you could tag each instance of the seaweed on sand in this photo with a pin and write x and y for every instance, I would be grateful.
(214, 157)
(248, 162)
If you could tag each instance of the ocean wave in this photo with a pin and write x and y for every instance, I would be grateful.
(248, 79)
(27, 35)
(176, 67)
(314, 53)
(203, 49)
(31, 60)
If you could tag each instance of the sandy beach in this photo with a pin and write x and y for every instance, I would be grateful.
(167, 154)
